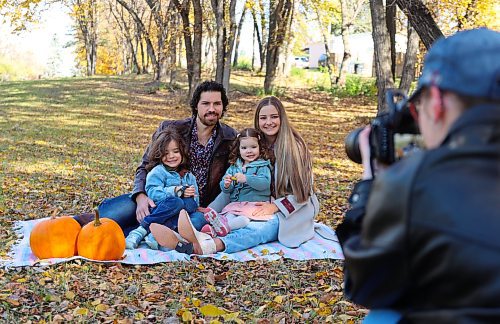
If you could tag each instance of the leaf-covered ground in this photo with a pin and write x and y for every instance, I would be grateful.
(66, 144)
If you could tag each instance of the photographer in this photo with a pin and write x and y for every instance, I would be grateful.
(422, 238)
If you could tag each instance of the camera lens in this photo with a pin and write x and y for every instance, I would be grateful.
(351, 143)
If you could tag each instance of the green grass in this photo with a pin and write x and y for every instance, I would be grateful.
(69, 143)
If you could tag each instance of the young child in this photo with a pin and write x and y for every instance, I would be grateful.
(170, 185)
(247, 180)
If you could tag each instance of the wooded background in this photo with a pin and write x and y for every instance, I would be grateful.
(177, 40)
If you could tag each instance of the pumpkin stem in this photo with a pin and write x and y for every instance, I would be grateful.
(97, 221)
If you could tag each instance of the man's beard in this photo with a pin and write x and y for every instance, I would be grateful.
(211, 122)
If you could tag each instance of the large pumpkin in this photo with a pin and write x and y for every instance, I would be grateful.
(101, 239)
(55, 237)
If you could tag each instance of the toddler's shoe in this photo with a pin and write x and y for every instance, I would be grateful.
(135, 237)
(208, 229)
(202, 243)
(151, 242)
(219, 222)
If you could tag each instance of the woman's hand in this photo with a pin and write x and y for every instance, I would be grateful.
(265, 208)
(189, 192)
(240, 178)
(143, 203)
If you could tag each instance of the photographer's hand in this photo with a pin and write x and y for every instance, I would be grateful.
(364, 149)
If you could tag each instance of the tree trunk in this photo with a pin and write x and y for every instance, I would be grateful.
(262, 51)
(421, 20)
(390, 18)
(279, 21)
(218, 7)
(346, 32)
(410, 60)
(162, 29)
(238, 35)
(197, 41)
(86, 17)
(349, 11)
(327, 49)
(130, 54)
(263, 36)
(229, 45)
(253, 49)
(192, 43)
(140, 46)
(382, 50)
(94, 25)
(172, 48)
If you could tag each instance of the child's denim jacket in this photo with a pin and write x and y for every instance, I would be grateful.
(160, 183)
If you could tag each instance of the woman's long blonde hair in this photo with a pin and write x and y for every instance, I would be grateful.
(293, 161)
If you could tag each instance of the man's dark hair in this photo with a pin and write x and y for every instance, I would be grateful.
(208, 86)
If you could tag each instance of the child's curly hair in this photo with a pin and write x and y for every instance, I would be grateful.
(234, 155)
(158, 148)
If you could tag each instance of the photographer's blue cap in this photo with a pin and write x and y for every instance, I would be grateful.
(467, 63)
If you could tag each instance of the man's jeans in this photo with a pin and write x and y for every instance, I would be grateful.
(122, 209)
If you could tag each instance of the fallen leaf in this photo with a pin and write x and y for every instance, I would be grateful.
(81, 311)
(212, 310)
(101, 307)
(187, 316)
(260, 310)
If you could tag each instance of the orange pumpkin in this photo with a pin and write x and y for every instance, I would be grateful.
(55, 237)
(101, 239)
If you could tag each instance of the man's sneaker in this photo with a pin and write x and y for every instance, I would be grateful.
(208, 229)
(135, 237)
(151, 241)
(219, 222)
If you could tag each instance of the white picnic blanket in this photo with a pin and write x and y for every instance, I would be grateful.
(324, 245)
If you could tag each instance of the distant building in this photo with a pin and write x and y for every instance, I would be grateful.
(361, 61)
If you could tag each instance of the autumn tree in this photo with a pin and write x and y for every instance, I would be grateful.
(325, 12)
(238, 33)
(150, 48)
(130, 49)
(350, 9)
(281, 13)
(260, 22)
(192, 40)
(85, 14)
(161, 17)
(455, 15)
(421, 20)
(410, 60)
(226, 32)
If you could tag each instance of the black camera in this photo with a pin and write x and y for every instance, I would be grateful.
(394, 132)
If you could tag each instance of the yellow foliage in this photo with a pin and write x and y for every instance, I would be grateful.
(454, 15)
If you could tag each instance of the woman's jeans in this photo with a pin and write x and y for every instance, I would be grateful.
(255, 233)
(122, 209)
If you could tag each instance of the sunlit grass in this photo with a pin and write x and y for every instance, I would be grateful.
(67, 144)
